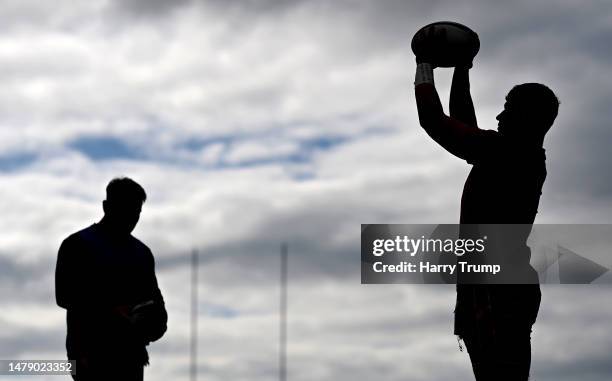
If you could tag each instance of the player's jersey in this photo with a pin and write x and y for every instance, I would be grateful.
(503, 187)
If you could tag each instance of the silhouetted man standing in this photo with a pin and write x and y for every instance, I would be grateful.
(105, 279)
(503, 187)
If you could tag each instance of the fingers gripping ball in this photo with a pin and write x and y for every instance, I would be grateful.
(445, 44)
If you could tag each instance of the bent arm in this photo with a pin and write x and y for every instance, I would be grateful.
(151, 318)
(452, 134)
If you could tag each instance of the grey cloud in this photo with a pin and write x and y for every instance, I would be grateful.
(154, 7)
(18, 340)
(588, 132)
(594, 368)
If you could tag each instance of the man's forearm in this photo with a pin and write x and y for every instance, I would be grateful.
(427, 99)
(461, 106)
(428, 106)
(452, 134)
(424, 74)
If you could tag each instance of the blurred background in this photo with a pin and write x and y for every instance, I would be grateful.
(251, 123)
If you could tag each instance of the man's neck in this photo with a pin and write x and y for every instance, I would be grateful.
(109, 227)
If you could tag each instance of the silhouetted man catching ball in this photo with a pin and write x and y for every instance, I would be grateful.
(503, 187)
(105, 279)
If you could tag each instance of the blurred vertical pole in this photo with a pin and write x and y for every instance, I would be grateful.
(282, 370)
(194, 315)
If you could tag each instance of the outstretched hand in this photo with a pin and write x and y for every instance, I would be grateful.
(435, 36)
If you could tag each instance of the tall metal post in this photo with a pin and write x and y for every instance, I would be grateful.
(282, 370)
(194, 315)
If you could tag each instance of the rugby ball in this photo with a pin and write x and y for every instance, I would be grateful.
(445, 44)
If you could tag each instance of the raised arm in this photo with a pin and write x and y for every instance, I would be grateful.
(461, 105)
(454, 135)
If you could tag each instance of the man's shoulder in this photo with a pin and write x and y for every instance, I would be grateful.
(492, 147)
(141, 250)
(485, 146)
(139, 244)
(79, 236)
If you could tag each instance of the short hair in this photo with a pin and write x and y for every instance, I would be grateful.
(124, 188)
(539, 101)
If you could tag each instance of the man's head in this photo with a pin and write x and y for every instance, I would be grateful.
(124, 199)
(529, 112)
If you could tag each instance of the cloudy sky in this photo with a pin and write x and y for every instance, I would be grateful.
(250, 123)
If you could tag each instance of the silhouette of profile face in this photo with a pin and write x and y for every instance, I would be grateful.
(509, 116)
(123, 204)
(529, 111)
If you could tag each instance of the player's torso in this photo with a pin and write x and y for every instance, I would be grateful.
(118, 269)
(503, 191)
